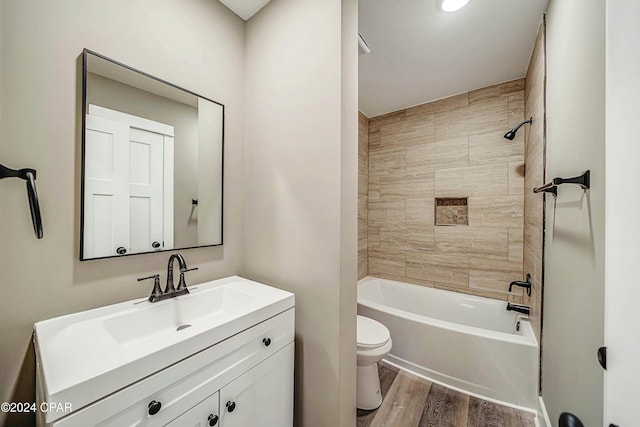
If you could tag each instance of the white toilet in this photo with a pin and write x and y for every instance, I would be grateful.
(374, 342)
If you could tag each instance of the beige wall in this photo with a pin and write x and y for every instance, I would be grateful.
(348, 214)
(300, 175)
(573, 314)
(534, 177)
(198, 46)
(117, 96)
(453, 147)
(363, 194)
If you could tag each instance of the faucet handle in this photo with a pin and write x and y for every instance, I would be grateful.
(182, 285)
(157, 290)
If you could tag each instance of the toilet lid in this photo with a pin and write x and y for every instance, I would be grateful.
(371, 333)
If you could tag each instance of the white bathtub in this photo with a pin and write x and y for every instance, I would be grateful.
(461, 341)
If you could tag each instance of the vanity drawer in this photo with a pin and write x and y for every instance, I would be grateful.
(183, 385)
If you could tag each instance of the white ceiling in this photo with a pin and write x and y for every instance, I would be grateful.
(245, 9)
(420, 54)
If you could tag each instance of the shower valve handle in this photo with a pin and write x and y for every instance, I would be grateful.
(526, 284)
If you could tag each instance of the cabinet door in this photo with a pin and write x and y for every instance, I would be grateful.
(203, 414)
(262, 396)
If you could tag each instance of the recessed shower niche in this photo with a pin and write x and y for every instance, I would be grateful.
(451, 211)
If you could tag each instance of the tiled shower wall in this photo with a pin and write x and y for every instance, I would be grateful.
(454, 148)
(363, 189)
(534, 157)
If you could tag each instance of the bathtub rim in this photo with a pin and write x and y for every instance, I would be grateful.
(527, 338)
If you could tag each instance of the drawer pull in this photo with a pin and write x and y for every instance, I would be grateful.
(266, 342)
(213, 420)
(231, 406)
(154, 407)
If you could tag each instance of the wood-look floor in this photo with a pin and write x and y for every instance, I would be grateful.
(410, 401)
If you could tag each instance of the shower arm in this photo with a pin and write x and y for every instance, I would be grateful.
(530, 121)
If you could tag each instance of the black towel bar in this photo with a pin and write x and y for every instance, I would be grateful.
(584, 181)
(29, 175)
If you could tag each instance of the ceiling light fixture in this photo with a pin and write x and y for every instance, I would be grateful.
(452, 5)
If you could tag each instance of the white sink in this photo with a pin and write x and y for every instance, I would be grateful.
(86, 355)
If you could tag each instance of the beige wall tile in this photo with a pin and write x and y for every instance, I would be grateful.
(420, 210)
(445, 104)
(363, 241)
(421, 282)
(515, 110)
(448, 153)
(374, 139)
(376, 122)
(516, 177)
(492, 147)
(494, 275)
(373, 236)
(363, 260)
(363, 191)
(386, 211)
(417, 130)
(482, 117)
(516, 244)
(453, 147)
(386, 262)
(389, 276)
(363, 184)
(463, 240)
(496, 91)
(410, 183)
(407, 237)
(496, 211)
(475, 292)
(485, 180)
(362, 209)
(386, 162)
(444, 268)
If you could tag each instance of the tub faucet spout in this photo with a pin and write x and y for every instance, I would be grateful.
(519, 308)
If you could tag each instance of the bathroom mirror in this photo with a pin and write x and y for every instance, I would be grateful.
(152, 163)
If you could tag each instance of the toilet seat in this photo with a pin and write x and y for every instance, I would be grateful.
(371, 333)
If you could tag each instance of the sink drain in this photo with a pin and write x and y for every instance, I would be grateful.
(181, 327)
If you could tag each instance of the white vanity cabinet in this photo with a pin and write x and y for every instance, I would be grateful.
(262, 396)
(203, 414)
(243, 379)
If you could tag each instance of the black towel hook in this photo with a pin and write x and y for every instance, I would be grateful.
(29, 175)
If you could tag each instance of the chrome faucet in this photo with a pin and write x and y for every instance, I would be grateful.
(170, 291)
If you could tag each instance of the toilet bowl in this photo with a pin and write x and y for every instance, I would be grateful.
(374, 342)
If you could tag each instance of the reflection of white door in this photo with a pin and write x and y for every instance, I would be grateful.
(106, 179)
(128, 184)
(145, 190)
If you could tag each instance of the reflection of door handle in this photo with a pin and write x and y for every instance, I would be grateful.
(155, 245)
(121, 250)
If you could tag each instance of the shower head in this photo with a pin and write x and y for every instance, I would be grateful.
(512, 133)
